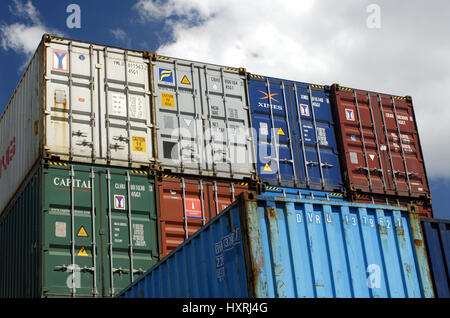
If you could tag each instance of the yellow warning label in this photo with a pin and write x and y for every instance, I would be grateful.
(167, 100)
(185, 80)
(82, 232)
(82, 252)
(138, 143)
(267, 168)
(36, 127)
(281, 132)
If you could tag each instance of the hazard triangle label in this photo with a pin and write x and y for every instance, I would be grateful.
(267, 168)
(82, 232)
(185, 80)
(82, 252)
(281, 132)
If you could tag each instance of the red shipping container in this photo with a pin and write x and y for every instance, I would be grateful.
(379, 143)
(423, 206)
(186, 204)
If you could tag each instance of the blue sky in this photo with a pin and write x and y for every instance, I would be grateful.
(322, 42)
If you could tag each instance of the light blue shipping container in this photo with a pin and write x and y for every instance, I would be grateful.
(265, 246)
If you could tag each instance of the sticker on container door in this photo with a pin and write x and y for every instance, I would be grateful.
(119, 202)
(281, 132)
(82, 252)
(267, 168)
(167, 100)
(304, 110)
(263, 129)
(193, 208)
(60, 61)
(165, 75)
(137, 109)
(138, 144)
(185, 80)
(119, 105)
(349, 114)
(354, 157)
(82, 232)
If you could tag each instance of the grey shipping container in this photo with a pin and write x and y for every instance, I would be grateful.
(202, 119)
(265, 246)
(78, 231)
(79, 102)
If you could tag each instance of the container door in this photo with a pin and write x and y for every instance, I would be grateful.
(72, 258)
(125, 108)
(316, 146)
(273, 142)
(130, 226)
(183, 209)
(83, 231)
(228, 148)
(407, 176)
(178, 116)
(72, 117)
(222, 194)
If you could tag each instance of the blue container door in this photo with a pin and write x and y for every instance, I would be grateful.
(271, 123)
(314, 130)
(295, 143)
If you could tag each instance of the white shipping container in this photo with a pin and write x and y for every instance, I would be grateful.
(202, 119)
(78, 102)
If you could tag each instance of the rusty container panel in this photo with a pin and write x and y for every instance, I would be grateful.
(270, 247)
(186, 204)
(423, 207)
(379, 143)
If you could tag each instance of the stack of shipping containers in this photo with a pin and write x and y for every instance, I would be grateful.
(115, 161)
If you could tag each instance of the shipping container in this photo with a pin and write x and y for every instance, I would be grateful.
(185, 204)
(79, 102)
(202, 119)
(379, 143)
(300, 193)
(295, 139)
(78, 231)
(437, 239)
(424, 208)
(264, 247)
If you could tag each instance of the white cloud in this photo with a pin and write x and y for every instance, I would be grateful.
(326, 42)
(119, 34)
(23, 37)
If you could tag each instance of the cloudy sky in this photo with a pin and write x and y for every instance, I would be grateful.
(399, 47)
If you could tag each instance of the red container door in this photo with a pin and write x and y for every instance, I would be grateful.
(186, 204)
(378, 137)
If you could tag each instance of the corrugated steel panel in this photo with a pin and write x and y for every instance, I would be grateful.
(381, 151)
(264, 246)
(78, 231)
(295, 138)
(203, 119)
(185, 204)
(437, 239)
(79, 102)
(424, 208)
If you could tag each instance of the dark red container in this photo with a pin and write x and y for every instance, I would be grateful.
(379, 144)
(424, 208)
(186, 204)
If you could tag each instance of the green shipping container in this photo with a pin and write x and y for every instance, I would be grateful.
(68, 232)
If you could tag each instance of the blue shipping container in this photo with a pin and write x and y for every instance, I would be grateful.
(262, 246)
(295, 140)
(301, 193)
(437, 239)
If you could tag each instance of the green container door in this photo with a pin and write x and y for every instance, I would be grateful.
(91, 214)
